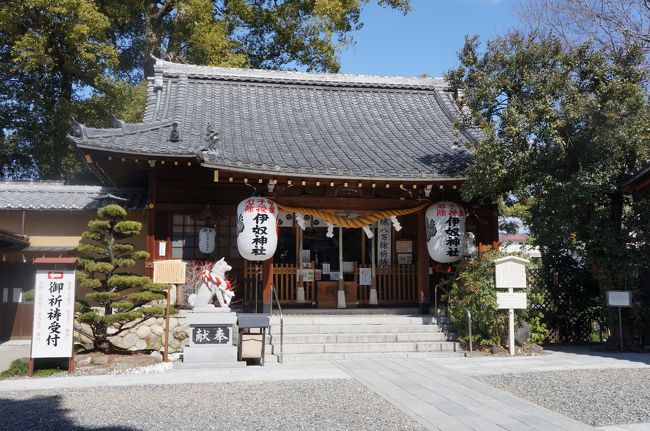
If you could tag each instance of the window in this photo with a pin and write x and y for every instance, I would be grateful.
(185, 232)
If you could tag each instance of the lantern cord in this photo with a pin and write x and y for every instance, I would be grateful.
(358, 222)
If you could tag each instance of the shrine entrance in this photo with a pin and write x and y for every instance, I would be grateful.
(311, 265)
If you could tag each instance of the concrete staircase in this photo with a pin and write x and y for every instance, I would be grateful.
(330, 336)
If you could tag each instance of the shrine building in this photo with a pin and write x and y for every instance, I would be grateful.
(331, 150)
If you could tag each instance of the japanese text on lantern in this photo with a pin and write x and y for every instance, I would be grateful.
(53, 314)
(452, 227)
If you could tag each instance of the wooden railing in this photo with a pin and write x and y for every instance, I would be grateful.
(285, 279)
(396, 284)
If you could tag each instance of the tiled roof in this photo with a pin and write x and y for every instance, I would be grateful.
(640, 179)
(56, 196)
(295, 123)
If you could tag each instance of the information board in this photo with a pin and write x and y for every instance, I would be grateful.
(619, 298)
(54, 296)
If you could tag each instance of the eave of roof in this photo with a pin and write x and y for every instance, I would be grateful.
(12, 241)
(18, 195)
(638, 180)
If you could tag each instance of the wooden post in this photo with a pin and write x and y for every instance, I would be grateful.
(363, 247)
(167, 310)
(300, 285)
(340, 302)
(424, 302)
(267, 281)
(373, 265)
(151, 222)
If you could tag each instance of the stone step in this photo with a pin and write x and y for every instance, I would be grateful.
(381, 337)
(366, 347)
(372, 319)
(290, 328)
(298, 357)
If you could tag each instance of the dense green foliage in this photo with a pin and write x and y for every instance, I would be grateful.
(473, 289)
(86, 59)
(106, 255)
(563, 129)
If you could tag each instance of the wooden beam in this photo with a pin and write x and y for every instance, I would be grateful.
(333, 203)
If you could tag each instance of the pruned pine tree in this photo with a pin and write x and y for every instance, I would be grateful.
(105, 258)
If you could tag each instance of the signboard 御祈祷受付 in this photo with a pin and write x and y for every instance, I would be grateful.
(53, 314)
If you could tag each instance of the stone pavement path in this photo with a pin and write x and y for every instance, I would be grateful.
(11, 350)
(442, 399)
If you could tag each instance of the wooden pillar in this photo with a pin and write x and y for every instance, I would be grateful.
(267, 281)
(340, 299)
(488, 233)
(151, 222)
(424, 301)
(363, 247)
(373, 265)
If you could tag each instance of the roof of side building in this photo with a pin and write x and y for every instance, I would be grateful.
(17, 195)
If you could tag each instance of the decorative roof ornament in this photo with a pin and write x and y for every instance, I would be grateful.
(211, 139)
(175, 135)
(79, 130)
(118, 124)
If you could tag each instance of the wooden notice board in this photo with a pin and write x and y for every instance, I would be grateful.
(169, 272)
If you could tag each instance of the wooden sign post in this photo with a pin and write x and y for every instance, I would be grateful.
(169, 272)
(54, 298)
(510, 273)
(619, 299)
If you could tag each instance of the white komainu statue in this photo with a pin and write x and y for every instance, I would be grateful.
(214, 285)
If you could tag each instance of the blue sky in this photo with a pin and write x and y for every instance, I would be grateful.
(425, 40)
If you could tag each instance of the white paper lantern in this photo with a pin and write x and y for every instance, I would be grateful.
(445, 231)
(206, 240)
(257, 228)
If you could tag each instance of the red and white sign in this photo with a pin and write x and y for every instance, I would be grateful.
(54, 298)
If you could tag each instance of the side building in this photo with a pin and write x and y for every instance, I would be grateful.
(46, 219)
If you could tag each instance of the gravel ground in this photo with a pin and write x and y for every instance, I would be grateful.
(596, 397)
(332, 404)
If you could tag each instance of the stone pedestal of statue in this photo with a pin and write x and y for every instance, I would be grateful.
(211, 335)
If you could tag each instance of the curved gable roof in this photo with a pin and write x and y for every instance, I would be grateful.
(295, 123)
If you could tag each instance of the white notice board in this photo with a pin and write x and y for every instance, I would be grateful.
(619, 298)
(510, 273)
(53, 314)
(511, 300)
(365, 276)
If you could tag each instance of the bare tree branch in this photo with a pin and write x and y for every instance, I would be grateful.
(609, 23)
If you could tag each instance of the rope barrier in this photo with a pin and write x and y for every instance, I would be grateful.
(357, 222)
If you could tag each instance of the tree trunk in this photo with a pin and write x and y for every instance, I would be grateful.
(101, 342)
(152, 38)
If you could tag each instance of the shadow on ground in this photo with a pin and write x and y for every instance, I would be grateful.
(598, 351)
(41, 413)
